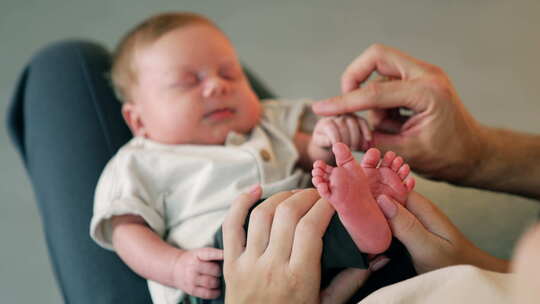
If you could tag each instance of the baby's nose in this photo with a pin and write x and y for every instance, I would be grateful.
(215, 86)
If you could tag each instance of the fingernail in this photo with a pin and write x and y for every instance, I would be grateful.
(254, 189)
(388, 207)
(379, 264)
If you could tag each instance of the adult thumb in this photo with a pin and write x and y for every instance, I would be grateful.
(404, 225)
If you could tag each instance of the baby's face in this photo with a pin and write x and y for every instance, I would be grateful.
(191, 89)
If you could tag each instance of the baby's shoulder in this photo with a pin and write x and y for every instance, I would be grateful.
(130, 156)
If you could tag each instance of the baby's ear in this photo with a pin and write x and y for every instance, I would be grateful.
(132, 116)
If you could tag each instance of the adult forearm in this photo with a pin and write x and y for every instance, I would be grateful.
(475, 256)
(508, 163)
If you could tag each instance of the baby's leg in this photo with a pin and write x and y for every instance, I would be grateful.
(347, 188)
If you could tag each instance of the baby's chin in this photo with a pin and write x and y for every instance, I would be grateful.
(221, 137)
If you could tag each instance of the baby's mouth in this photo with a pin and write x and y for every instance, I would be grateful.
(220, 114)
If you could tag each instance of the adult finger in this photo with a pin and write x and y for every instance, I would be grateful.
(260, 223)
(405, 226)
(375, 95)
(385, 61)
(344, 285)
(234, 235)
(288, 214)
(431, 217)
(308, 235)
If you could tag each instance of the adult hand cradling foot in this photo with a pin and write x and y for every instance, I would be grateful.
(431, 238)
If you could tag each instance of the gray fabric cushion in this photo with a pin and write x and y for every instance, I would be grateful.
(66, 123)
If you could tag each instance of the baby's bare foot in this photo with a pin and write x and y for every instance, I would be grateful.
(390, 177)
(347, 188)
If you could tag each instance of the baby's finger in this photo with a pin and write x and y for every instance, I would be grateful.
(209, 268)
(332, 131)
(366, 132)
(210, 254)
(206, 281)
(322, 140)
(205, 293)
(354, 132)
(343, 130)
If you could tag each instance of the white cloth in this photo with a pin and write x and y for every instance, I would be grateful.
(450, 285)
(184, 191)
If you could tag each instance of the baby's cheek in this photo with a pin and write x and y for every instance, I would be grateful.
(251, 118)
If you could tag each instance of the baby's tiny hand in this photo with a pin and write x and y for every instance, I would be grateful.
(349, 129)
(197, 274)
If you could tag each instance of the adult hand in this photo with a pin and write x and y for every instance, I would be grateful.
(441, 140)
(431, 238)
(279, 262)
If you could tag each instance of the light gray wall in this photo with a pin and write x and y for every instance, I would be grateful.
(489, 48)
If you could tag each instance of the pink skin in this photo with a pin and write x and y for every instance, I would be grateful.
(391, 177)
(352, 187)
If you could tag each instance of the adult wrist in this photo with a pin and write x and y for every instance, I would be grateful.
(476, 158)
(484, 260)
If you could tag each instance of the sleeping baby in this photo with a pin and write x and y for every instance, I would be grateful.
(201, 137)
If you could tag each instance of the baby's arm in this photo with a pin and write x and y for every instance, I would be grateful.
(350, 129)
(147, 254)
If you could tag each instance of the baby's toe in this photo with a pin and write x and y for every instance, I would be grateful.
(404, 171)
(319, 172)
(388, 159)
(410, 182)
(371, 159)
(396, 163)
(323, 189)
